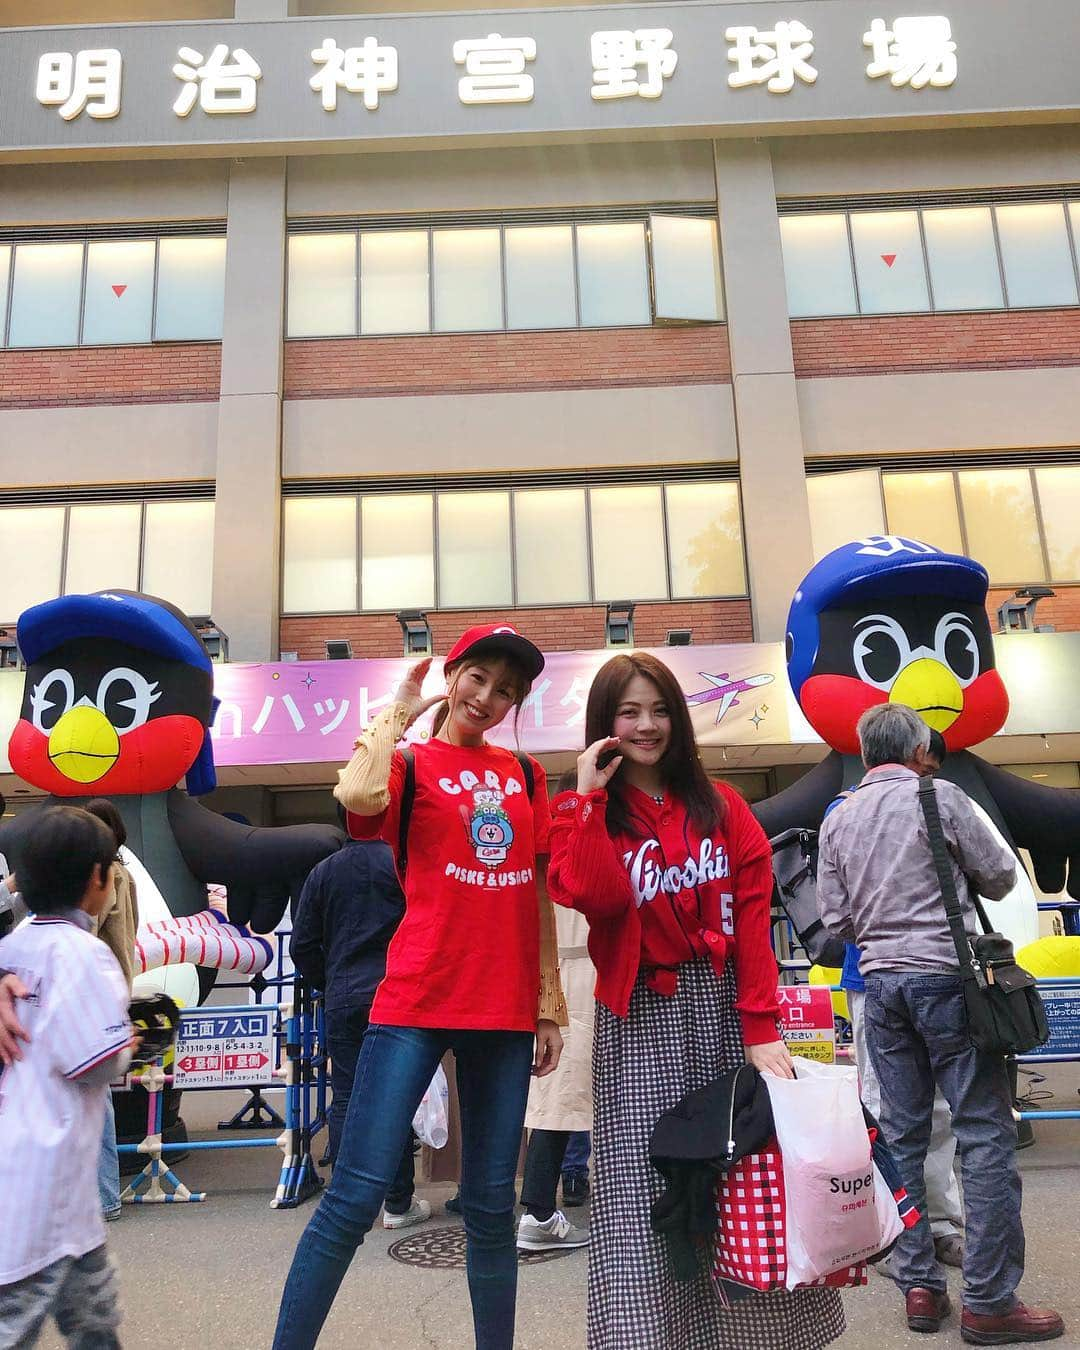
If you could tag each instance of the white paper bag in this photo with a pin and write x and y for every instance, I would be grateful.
(830, 1187)
(430, 1121)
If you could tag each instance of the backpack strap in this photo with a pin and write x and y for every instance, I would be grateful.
(408, 795)
(525, 764)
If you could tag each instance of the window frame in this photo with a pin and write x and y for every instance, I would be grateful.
(402, 488)
(1066, 199)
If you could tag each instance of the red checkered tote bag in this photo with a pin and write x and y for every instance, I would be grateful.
(750, 1232)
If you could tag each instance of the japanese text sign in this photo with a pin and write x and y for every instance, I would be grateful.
(414, 77)
(225, 1049)
(806, 1019)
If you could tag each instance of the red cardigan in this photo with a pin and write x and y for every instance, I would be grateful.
(586, 873)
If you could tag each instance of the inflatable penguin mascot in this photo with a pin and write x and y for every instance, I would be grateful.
(891, 619)
(117, 702)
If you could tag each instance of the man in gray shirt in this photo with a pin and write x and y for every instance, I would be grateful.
(877, 887)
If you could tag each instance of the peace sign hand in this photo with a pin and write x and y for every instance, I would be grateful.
(590, 776)
(408, 692)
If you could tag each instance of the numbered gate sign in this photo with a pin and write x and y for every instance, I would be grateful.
(234, 1049)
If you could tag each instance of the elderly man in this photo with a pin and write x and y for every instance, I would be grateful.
(877, 887)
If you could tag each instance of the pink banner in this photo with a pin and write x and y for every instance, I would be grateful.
(303, 713)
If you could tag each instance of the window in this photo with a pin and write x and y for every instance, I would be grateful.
(526, 546)
(889, 262)
(817, 265)
(923, 506)
(841, 506)
(686, 268)
(118, 302)
(322, 284)
(103, 547)
(34, 546)
(956, 263)
(165, 548)
(468, 280)
(1002, 529)
(628, 543)
(1059, 506)
(397, 536)
(613, 275)
(484, 278)
(45, 295)
(1036, 255)
(474, 549)
(320, 554)
(540, 277)
(963, 258)
(394, 282)
(705, 533)
(190, 289)
(178, 553)
(551, 546)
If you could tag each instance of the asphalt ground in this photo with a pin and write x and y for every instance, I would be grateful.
(209, 1276)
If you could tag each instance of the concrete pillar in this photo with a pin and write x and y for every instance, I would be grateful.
(247, 523)
(776, 513)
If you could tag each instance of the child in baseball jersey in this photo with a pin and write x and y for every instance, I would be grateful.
(52, 1100)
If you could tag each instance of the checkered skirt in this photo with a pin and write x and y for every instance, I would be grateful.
(642, 1066)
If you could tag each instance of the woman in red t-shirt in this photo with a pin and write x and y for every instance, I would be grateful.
(674, 875)
(472, 968)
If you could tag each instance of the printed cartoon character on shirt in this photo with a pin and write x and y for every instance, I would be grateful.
(489, 827)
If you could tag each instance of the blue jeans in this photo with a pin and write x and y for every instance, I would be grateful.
(917, 1032)
(395, 1066)
(345, 1028)
(108, 1174)
(576, 1161)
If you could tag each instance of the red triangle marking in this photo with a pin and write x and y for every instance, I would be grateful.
(118, 291)
(887, 258)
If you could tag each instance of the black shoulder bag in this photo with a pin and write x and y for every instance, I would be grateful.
(1004, 1010)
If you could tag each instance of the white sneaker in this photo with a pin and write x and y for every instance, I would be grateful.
(418, 1212)
(558, 1231)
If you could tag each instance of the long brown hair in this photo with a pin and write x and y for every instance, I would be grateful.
(681, 768)
(518, 673)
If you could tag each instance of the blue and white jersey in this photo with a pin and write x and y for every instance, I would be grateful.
(52, 1101)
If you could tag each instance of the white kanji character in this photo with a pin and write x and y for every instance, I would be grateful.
(328, 727)
(369, 69)
(534, 700)
(367, 708)
(575, 696)
(796, 1014)
(783, 996)
(495, 69)
(616, 56)
(914, 51)
(805, 996)
(89, 80)
(296, 716)
(218, 84)
(773, 57)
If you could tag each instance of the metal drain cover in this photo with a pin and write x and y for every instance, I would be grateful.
(444, 1249)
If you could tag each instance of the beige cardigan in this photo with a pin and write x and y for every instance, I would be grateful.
(363, 789)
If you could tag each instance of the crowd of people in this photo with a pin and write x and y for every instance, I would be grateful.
(434, 931)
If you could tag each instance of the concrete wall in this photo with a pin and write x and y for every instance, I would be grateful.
(76, 194)
(462, 433)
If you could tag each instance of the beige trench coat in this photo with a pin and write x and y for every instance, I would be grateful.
(563, 1100)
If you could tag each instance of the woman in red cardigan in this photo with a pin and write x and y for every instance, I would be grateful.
(674, 875)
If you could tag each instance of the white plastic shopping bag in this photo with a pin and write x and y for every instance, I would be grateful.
(830, 1187)
(430, 1121)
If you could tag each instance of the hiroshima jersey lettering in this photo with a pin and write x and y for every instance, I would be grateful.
(651, 875)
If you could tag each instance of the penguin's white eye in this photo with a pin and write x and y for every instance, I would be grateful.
(50, 699)
(125, 697)
(881, 651)
(955, 646)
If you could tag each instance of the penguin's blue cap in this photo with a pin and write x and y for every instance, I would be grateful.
(880, 565)
(142, 621)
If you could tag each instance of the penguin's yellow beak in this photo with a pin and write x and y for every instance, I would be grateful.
(932, 690)
(84, 745)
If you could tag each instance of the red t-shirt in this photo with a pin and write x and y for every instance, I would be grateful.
(467, 953)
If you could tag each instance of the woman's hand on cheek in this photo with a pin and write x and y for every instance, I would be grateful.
(408, 692)
(772, 1057)
(590, 776)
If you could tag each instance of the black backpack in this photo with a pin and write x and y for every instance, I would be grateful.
(408, 796)
(795, 855)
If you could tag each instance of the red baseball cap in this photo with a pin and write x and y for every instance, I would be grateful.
(497, 637)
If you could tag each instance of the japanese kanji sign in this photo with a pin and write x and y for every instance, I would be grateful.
(225, 1049)
(417, 77)
(806, 1019)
